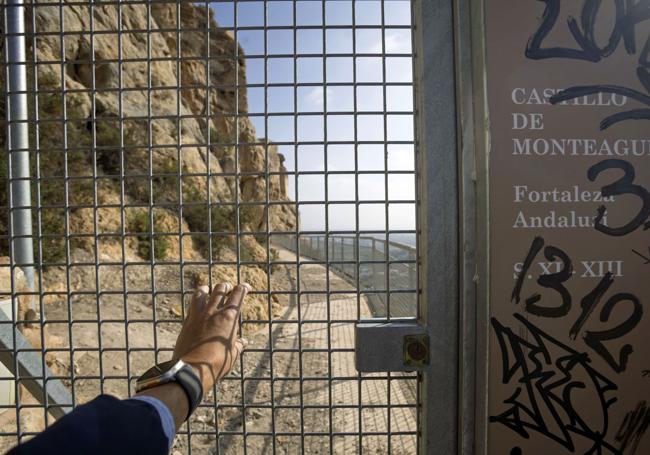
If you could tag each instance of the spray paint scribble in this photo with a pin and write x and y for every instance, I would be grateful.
(545, 374)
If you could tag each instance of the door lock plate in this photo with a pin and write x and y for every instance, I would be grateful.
(391, 346)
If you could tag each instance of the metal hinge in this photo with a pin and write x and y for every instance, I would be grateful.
(391, 346)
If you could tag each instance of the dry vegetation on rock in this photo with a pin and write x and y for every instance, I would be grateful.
(138, 162)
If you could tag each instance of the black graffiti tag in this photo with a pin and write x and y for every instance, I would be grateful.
(633, 427)
(623, 186)
(646, 259)
(545, 374)
(595, 339)
(629, 14)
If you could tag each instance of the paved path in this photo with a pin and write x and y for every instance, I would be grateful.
(328, 406)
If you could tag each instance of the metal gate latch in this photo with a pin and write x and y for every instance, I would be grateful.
(416, 350)
(391, 346)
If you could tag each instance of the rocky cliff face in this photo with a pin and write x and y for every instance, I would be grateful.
(168, 119)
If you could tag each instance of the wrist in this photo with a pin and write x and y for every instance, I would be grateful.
(181, 375)
(173, 396)
(203, 372)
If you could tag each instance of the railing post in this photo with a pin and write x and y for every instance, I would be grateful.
(320, 250)
(329, 244)
(18, 141)
(373, 257)
(412, 280)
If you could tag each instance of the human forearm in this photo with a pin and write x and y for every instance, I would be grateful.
(174, 397)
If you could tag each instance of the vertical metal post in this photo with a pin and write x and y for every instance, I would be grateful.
(331, 255)
(320, 252)
(18, 143)
(438, 214)
(411, 276)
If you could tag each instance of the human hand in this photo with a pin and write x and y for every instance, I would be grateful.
(209, 339)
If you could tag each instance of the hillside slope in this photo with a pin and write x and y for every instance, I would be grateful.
(162, 129)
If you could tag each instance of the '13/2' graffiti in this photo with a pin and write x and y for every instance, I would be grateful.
(629, 14)
(595, 339)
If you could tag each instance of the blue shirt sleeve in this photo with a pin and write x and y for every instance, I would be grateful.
(168, 425)
(104, 426)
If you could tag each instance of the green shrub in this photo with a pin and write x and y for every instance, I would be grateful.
(247, 216)
(139, 223)
(195, 208)
(107, 141)
(223, 218)
(222, 221)
(165, 180)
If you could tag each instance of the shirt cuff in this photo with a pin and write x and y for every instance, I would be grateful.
(166, 419)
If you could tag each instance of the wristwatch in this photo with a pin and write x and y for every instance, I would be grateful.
(174, 371)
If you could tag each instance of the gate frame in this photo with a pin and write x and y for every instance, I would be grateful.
(452, 142)
(438, 217)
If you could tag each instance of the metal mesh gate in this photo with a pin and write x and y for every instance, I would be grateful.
(174, 144)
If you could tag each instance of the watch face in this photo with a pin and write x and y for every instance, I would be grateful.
(157, 370)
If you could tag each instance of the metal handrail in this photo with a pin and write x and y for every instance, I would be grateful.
(387, 279)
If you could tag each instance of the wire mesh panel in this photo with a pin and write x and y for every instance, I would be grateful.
(174, 144)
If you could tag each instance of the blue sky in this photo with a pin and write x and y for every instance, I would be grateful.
(327, 55)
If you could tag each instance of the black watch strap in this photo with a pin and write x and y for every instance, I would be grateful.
(174, 371)
(190, 382)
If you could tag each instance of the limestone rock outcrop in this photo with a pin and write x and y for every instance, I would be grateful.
(157, 117)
